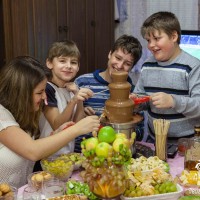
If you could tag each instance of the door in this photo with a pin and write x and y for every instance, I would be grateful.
(31, 26)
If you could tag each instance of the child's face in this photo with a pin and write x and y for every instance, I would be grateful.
(163, 47)
(120, 61)
(64, 69)
(39, 94)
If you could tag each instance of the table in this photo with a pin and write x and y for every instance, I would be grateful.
(176, 167)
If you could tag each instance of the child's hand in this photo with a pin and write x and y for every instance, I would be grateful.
(83, 94)
(132, 96)
(89, 111)
(162, 100)
(71, 87)
(63, 126)
(88, 124)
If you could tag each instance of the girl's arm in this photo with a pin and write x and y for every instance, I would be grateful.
(56, 119)
(21, 143)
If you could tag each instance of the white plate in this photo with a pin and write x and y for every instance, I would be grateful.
(166, 196)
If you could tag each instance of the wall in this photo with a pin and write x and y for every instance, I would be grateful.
(137, 11)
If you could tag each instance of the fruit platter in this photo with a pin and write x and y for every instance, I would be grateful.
(107, 170)
(190, 180)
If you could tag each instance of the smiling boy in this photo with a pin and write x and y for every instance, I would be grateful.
(124, 54)
(65, 100)
(170, 76)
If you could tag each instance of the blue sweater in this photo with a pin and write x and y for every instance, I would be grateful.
(96, 83)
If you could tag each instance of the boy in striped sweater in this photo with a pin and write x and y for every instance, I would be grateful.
(171, 76)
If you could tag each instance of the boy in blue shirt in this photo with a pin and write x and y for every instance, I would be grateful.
(124, 54)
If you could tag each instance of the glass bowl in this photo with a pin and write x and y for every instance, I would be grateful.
(58, 167)
(106, 182)
(8, 192)
(36, 179)
(76, 158)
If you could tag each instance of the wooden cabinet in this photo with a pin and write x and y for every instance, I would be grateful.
(31, 26)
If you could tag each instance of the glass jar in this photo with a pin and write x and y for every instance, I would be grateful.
(192, 156)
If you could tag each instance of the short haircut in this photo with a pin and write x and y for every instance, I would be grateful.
(130, 44)
(162, 21)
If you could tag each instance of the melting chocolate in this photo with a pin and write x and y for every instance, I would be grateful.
(119, 108)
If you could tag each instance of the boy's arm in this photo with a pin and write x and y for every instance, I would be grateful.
(55, 118)
(79, 114)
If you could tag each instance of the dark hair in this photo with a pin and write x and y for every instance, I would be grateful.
(131, 45)
(18, 80)
(162, 21)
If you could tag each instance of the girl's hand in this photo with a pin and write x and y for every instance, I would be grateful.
(88, 124)
(162, 100)
(63, 126)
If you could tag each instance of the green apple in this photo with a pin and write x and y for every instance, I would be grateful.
(106, 134)
(103, 149)
(91, 143)
(119, 141)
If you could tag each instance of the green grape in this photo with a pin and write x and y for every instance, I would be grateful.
(156, 192)
(126, 193)
(161, 189)
(156, 187)
(173, 188)
(139, 193)
(132, 194)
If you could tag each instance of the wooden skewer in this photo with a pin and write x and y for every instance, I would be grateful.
(161, 128)
(101, 91)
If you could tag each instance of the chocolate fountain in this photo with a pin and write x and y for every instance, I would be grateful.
(118, 111)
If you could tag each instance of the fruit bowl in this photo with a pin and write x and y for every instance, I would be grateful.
(76, 158)
(36, 179)
(8, 192)
(107, 156)
(58, 167)
(106, 182)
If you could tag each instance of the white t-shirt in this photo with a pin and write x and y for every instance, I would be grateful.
(14, 169)
(56, 97)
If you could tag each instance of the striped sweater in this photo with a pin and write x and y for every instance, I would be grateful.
(96, 83)
(181, 79)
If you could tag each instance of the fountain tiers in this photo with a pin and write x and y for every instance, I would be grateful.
(118, 111)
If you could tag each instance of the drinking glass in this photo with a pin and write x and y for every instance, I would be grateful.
(31, 193)
(182, 146)
(53, 188)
